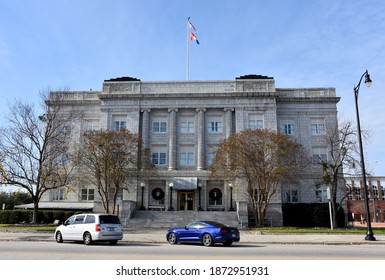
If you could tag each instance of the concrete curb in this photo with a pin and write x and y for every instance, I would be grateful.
(159, 236)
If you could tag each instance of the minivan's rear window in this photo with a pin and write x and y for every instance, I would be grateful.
(108, 219)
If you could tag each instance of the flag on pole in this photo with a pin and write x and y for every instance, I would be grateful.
(193, 31)
(193, 37)
(191, 26)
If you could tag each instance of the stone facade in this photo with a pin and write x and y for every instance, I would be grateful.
(181, 122)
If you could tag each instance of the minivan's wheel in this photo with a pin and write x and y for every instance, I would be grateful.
(87, 239)
(207, 240)
(113, 242)
(172, 238)
(228, 243)
(58, 237)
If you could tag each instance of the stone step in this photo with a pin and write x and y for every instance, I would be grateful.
(168, 219)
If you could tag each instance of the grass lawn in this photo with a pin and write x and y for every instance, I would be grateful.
(23, 227)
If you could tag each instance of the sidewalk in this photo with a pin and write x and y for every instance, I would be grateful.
(159, 236)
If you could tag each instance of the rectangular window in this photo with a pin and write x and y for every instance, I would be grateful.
(186, 158)
(318, 127)
(187, 127)
(88, 194)
(357, 193)
(291, 196)
(158, 158)
(118, 125)
(255, 124)
(349, 192)
(65, 129)
(91, 125)
(321, 196)
(159, 127)
(210, 157)
(319, 158)
(375, 192)
(58, 194)
(287, 129)
(215, 126)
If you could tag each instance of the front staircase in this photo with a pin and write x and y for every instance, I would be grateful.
(169, 219)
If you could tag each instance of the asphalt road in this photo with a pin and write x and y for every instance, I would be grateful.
(10, 250)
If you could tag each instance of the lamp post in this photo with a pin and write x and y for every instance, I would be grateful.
(171, 185)
(368, 82)
(142, 185)
(231, 197)
(200, 190)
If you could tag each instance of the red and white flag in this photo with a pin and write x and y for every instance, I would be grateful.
(193, 31)
(193, 37)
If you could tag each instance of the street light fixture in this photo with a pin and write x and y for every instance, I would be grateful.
(171, 185)
(368, 82)
(231, 197)
(142, 185)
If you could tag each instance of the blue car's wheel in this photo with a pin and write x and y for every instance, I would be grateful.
(172, 238)
(207, 240)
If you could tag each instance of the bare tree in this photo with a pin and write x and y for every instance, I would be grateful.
(110, 159)
(341, 142)
(262, 159)
(34, 148)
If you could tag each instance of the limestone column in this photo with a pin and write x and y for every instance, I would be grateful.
(172, 146)
(146, 127)
(201, 139)
(228, 121)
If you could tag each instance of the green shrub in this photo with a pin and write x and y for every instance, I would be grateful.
(25, 216)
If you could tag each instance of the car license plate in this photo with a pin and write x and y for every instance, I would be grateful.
(111, 229)
(234, 235)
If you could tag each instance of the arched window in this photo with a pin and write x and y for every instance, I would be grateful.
(215, 197)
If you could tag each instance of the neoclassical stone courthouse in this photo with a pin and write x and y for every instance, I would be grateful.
(181, 122)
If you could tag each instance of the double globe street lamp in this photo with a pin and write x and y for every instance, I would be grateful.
(368, 82)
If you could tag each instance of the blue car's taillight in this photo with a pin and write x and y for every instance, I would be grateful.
(224, 231)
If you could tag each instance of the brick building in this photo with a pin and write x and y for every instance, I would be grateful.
(355, 202)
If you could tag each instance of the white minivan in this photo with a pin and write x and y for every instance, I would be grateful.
(90, 227)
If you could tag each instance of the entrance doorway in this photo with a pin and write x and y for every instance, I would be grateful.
(186, 201)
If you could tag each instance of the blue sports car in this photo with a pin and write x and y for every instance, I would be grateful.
(204, 232)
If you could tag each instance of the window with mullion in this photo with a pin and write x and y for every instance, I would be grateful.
(186, 158)
(187, 127)
(158, 158)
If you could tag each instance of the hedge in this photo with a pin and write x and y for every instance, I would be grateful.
(25, 216)
(310, 215)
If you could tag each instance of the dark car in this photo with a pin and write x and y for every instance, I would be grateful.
(205, 232)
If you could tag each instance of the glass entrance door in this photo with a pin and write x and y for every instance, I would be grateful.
(186, 201)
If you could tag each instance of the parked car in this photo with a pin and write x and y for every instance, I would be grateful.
(205, 232)
(89, 228)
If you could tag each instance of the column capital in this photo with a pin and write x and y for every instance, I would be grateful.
(148, 110)
(172, 110)
(229, 109)
(200, 110)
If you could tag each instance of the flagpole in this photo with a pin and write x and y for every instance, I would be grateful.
(188, 51)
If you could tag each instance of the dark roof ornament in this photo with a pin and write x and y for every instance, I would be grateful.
(123, 79)
(254, 77)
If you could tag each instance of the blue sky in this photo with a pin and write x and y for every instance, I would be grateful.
(77, 44)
